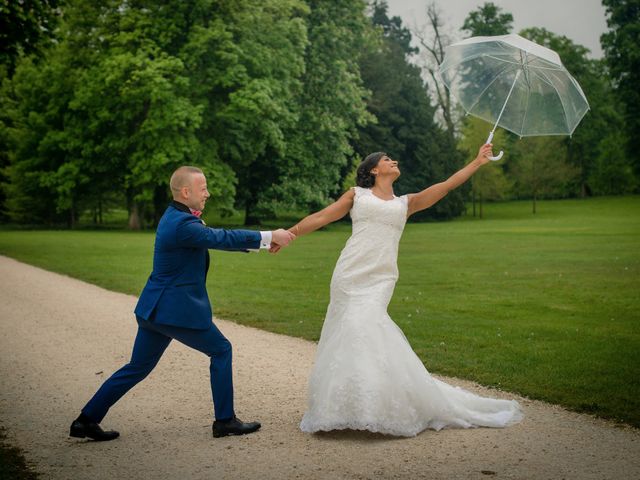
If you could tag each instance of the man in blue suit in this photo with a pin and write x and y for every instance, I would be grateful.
(174, 305)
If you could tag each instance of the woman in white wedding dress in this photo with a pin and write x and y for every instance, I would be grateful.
(366, 376)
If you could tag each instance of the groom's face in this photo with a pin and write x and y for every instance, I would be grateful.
(198, 193)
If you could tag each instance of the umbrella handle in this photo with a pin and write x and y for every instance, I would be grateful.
(497, 157)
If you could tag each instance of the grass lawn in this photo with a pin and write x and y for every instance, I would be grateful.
(545, 305)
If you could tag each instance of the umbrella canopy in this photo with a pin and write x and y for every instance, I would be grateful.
(514, 83)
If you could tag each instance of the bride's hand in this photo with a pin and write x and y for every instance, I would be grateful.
(484, 153)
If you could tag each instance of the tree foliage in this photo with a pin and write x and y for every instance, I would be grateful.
(24, 26)
(490, 183)
(488, 19)
(621, 45)
(600, 126)
(541, 169)
(133, 90)
(252, 123)
(330, 105)
(277, 100)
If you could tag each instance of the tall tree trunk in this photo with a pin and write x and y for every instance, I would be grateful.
(473, 200)
(583, 180)
(534, 203)
(135, 217)
(434, 44)
(480, 206)
(586, 191)
(250, 215)
(72, 215)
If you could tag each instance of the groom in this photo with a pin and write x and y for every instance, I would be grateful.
(174, 305)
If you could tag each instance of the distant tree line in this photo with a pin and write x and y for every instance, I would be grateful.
(277, 101)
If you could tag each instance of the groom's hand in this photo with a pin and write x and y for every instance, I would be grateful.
(280, 238)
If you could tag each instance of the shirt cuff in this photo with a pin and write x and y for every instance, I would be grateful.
(265, 242)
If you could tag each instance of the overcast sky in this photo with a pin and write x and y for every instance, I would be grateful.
(583, 21)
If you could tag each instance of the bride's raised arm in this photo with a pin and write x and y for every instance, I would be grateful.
(435, 193)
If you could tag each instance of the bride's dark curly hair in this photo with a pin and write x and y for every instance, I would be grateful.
(364, 177)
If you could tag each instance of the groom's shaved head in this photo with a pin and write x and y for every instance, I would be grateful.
(183, 177)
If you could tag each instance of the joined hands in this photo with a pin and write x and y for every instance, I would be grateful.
(280, 238)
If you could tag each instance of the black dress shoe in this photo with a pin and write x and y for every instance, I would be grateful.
(235, 426)
(92, 430)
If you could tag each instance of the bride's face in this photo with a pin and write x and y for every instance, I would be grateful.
(386, 167)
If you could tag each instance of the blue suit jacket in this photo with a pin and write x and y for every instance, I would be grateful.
(175, 293)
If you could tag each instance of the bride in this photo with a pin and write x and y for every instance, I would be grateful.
(366, 376)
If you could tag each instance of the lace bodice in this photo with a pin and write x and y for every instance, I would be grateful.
(369, 211)
(368, 261)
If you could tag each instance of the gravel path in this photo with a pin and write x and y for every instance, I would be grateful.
(62, 337)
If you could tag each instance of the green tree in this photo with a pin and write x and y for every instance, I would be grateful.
(130, 91)
(601, 124)
(153, 132)
(252, 126)
(24, 26)
(621, 45)
(405, 126)
(490, 183)
(541, 169)
(34, 102)
(433, 40)
(106, 109)
(487, 20)
(244, 79)
(331, 104)
(612, 173)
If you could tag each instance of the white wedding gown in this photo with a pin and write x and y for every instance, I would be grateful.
(366, 376)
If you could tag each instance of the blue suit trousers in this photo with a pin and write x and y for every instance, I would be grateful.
(151, 342)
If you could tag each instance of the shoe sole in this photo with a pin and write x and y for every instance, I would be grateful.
(76, 434)
(233, 434)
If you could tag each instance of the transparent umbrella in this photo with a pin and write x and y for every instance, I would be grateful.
(514, 83)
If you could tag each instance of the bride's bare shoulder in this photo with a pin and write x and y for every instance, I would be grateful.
(347, 197)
